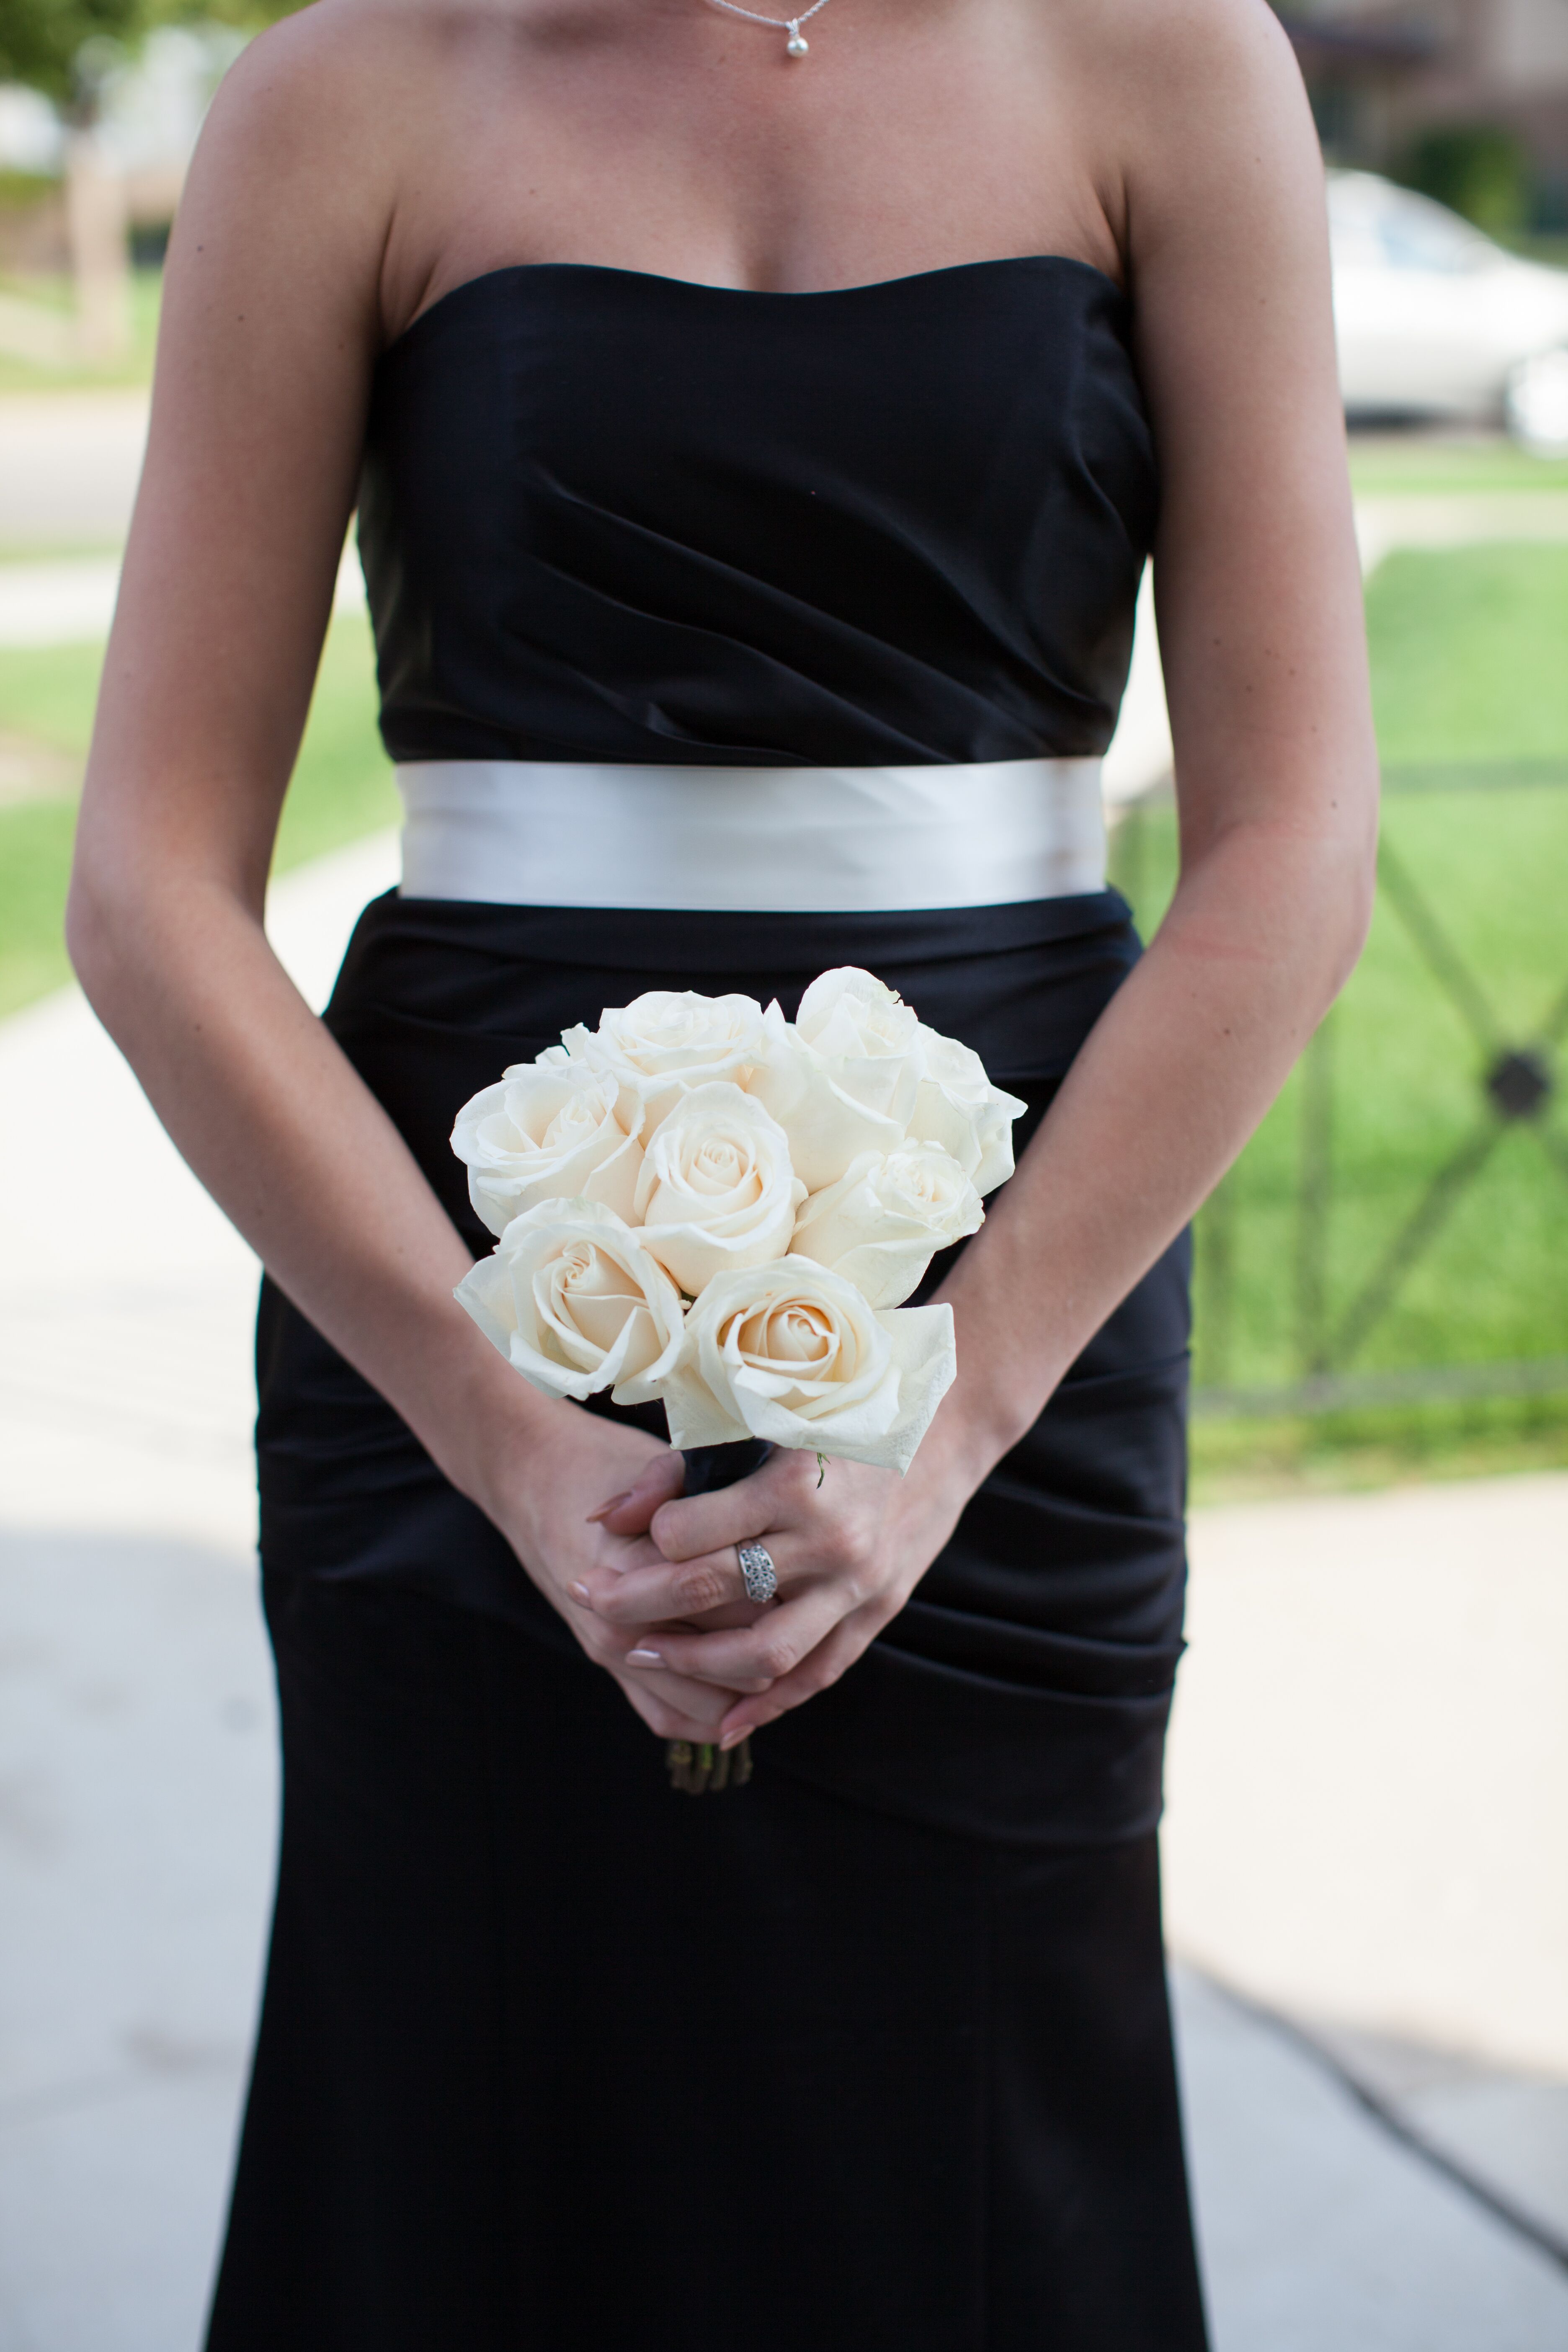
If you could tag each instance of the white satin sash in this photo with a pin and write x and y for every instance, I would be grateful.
(761, 840)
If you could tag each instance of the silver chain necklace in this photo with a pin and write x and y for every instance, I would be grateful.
(797, 44)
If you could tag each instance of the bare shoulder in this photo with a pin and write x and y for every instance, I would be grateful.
(307, 139)
(1202, 118)
(329, 72)
(273, 307)
(336, 139)
(274, 101)
(1181, 47)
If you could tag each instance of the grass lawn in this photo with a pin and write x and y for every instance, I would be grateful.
(343, 788)
(1405, 1091)
(1243, 1459)
(1386, 464)
(1469, 656)
(1471, 698)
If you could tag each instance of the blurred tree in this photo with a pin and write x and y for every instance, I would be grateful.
(69, 50)
(1478, 169)
(66, 48)
(63, 47)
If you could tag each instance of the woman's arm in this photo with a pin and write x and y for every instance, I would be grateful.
(272, 319)
(1261, 630)
(1257, 589)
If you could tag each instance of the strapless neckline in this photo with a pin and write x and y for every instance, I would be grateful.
(612, 516)
(599, 270)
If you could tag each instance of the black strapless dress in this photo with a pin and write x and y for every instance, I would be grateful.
(874, 2053)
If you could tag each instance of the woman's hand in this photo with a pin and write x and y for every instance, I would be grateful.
(551, 1513)
(849, 1545)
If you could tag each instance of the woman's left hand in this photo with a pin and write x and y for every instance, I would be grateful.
(848, 1546)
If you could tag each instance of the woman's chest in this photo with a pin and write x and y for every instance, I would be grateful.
(671, 140)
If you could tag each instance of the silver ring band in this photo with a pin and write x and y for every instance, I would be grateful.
(758, 1573)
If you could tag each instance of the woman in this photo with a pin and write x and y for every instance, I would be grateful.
(722, 406)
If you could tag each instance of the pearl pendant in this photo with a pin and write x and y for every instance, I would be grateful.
(797, 44)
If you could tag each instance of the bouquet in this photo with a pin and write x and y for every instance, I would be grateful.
(701, 1203)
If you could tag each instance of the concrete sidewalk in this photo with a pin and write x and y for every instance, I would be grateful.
(69, 464)
(1368, 1721)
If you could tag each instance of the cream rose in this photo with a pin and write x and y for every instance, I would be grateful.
(547, 1131)
(841, 1078)
(957, 1106)
(716, 1188)
(791, 1353)
(880, 1225)
(576, 1303)
(868, 1033)
(659, 1047)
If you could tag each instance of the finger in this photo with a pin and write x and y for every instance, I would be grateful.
(664, 1720)
(612, 1557)
(751, 1658)
(676, 1708)
(647, 1658)
(638, 1660)
(830, 1659)
(653, 1591)
(630, 1514)
(773, 1496)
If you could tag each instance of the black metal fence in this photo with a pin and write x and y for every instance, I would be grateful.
(1398, 1229)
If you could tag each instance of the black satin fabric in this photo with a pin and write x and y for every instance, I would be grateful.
(611, 516)
(1022, 1696)
(876, 2050)
(553, 2060)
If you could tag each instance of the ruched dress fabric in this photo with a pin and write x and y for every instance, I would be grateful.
(875, 2052)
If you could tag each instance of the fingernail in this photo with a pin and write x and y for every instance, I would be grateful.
(613, 1504)
(643, 1658)
(733, 1739)
(581, 1592)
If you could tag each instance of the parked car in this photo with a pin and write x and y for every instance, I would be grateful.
(1435, 321)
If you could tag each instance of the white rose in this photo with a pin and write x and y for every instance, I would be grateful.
(571, 1298)
(957, 1106)
(791, 1353)
(880, 1225)
(547, 1131)
(841, 1078)
(666, 1042)
(867, 1032)
(716, 1188)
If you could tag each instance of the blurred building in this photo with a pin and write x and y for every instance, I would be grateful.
(1391, 79)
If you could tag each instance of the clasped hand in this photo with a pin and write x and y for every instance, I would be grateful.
(848, 1548)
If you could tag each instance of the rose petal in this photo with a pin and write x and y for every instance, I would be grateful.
(868, 1399)
(957, 1107)
(504, 1134)
(657, 1048)
(716, 1188)
(825, 1126)
(576, 1303)
(880, 1225)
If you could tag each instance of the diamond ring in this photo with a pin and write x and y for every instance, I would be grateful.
(758, 1573)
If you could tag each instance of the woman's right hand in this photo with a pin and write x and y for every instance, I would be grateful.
(553, 1513)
